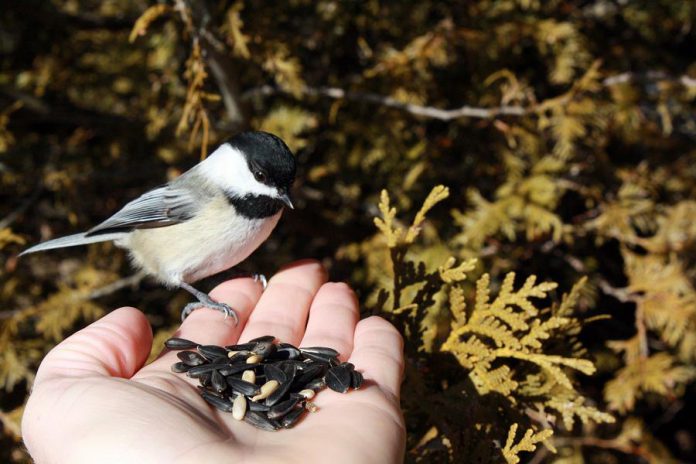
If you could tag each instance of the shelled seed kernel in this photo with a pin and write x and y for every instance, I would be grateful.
(253, 359)
(249, 376)
(266, 390)
(239, 407)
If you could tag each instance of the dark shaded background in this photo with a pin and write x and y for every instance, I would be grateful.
(90, 119)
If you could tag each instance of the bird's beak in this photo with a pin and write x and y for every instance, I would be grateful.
(285, 198)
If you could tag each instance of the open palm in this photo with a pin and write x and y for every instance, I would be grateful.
(94, 401)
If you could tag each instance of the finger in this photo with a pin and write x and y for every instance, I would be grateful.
(116, 345)
(283, 307)
(210, 327)
(332, 319)
(378, 353)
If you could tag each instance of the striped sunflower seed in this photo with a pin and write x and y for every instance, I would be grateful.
(180, 344)
(191, 358)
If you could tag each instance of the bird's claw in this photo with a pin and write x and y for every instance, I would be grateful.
(222, 307)
(261, 278)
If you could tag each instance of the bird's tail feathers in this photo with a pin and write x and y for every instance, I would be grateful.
(70, 241)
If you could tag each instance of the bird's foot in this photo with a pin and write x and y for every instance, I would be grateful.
(207, 302)
(260, 278)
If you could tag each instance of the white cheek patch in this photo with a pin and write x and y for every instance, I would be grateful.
(228, 169)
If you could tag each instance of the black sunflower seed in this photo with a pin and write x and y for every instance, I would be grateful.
(210, 392)
(316, 384)
(309, 373)
(279, 410)
(242, 386)
(320, 350)
(290, 370)
(356, 379)
(197, 371)
(264, 349)
(263, 338)
(180, 344)
(338, 378)
(258, 407)
(212, 351)
(273, 372)
(260, 421)
(191, 358)
(299, 365)
(241, 347)
(220, 360)
(222, 404)
(180, 367)
(235, 368)
(347, 365)
(321, 358)
(217, 381)
(239, 357)
(286, 351)
(292, 417)
(205, 379)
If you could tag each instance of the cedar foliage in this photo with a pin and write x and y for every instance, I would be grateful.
(546, 285)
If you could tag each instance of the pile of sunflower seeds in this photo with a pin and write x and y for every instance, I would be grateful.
(267, 384)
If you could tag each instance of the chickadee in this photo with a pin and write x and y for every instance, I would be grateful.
(205, 221)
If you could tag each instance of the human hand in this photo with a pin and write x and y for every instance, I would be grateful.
(94, 401)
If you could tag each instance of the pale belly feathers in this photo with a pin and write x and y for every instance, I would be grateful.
(209, 243)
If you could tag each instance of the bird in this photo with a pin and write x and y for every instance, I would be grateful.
(205, 221)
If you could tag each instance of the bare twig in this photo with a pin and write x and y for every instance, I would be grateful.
(9, 313)
(540, 456)
(637, 450)
(215, 56)
(418, 110)
(642, 332)
(113, 287)
(465, 111)
(100, 292)
(15, 213)
(621, 294)
(650, 76)
(222, 69)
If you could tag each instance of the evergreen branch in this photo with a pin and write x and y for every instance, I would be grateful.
(527, 443)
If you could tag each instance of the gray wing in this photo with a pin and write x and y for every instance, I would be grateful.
(161, 207)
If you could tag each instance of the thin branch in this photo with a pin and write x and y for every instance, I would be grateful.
(648, 76)
(19, 210)
(621, 294)
(465, 111)
(216, 57)
(637, 450)
(100, 292)
(113, 287)
(418, 110)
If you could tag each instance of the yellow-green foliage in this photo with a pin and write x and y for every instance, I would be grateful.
(527, 443)
(545, 284)
(499, 341)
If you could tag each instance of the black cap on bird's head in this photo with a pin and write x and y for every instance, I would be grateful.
(269, 158)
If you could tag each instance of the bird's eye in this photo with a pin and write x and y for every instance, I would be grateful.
(260, 176)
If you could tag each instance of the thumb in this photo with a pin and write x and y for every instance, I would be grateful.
(116, 345)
